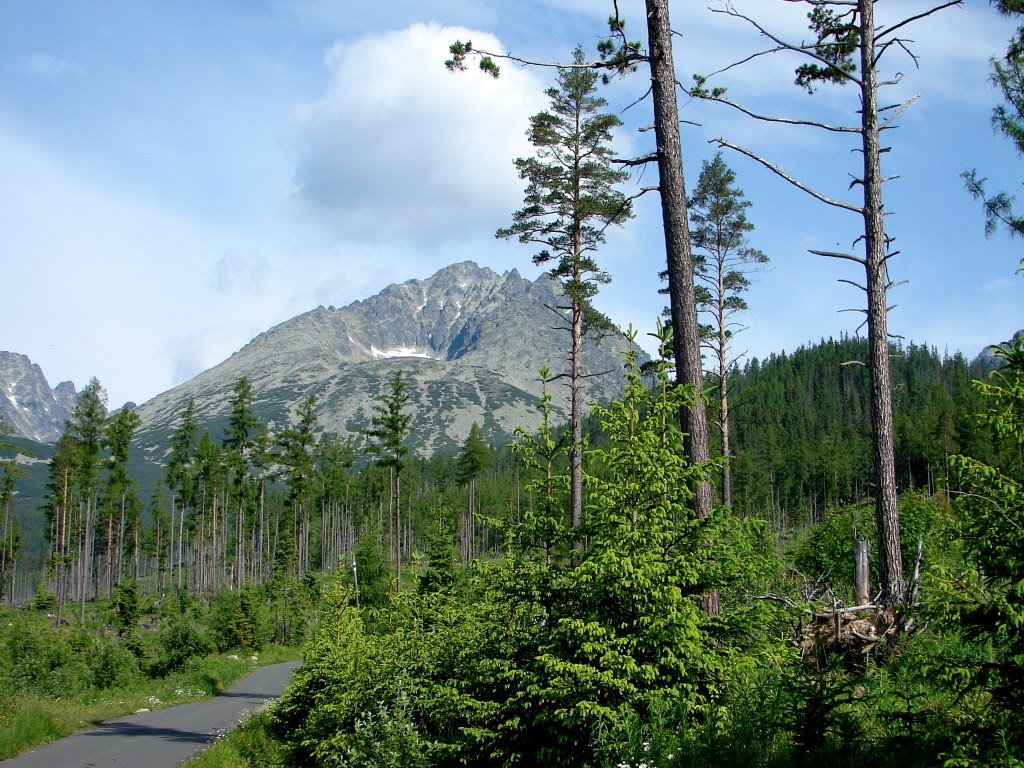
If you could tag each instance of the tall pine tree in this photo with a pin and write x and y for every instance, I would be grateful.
(723, 259)
(570, 201)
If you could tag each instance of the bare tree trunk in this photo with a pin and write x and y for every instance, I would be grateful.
(85, 561)
(890, 559)
(170, 548)
(120, 544)
(682, 295)
(576, 390)
(723, 394)
(109, 556)
(181, 536)
(861, 571)
(398, 527)
(62, 587)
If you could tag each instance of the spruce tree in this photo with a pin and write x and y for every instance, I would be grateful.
(88, 420)
(180, 480)
(474, 458)
(297, 444)
(238, 439)
(389, 427)
(119, 494)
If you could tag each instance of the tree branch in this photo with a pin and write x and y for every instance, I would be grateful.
(911, 19)
(782, 174)
(837, 255)
(775, 119)
(899, 110)
(730, 11)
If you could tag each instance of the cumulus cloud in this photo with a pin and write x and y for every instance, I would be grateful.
(239, 271)
(400, 149)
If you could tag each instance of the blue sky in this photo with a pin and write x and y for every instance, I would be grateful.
(177, 177)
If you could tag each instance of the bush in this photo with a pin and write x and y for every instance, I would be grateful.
(114, 666)
(223, 606)
(37, 658)
(44, 601)
(180, 641)
(825, 554)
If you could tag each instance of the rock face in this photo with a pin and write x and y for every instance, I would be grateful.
(27, 404)
(469, 341)
(988, 354)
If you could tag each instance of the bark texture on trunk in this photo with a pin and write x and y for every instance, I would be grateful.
(890, 562)
(682, 294)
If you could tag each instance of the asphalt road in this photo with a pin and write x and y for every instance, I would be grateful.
(164, 738)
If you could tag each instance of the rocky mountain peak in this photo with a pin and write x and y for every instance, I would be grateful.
(27, 404)
(470, 341)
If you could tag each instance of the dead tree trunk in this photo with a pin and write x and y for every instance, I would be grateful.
(682, 293)
(862, 571)
(681, 289)
(887, 517)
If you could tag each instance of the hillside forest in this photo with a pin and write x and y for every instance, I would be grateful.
(809, 559)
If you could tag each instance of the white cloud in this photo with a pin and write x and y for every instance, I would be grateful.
(399, 149)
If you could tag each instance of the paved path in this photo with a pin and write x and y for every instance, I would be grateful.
(164, 738)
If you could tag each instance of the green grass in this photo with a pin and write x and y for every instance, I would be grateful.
(250, 745)
(28, 720)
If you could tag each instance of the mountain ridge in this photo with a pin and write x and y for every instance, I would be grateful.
(470, 341)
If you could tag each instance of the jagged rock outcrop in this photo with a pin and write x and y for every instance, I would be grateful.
(470, 342)
(27, 404)
(988, 354)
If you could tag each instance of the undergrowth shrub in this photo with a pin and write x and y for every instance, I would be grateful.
(115, 666)
(181, 641)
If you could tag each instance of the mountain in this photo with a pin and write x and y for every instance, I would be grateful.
(988, 354)
(469, 341)
(27, 404)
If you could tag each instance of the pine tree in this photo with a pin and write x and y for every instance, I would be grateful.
(847, 47)
(570, 201)
(1007, 119)
(722, 261)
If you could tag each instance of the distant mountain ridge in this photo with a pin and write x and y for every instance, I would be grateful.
(27, 403)
(469, 340)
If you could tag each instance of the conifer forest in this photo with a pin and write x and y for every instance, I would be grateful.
(815, 558)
